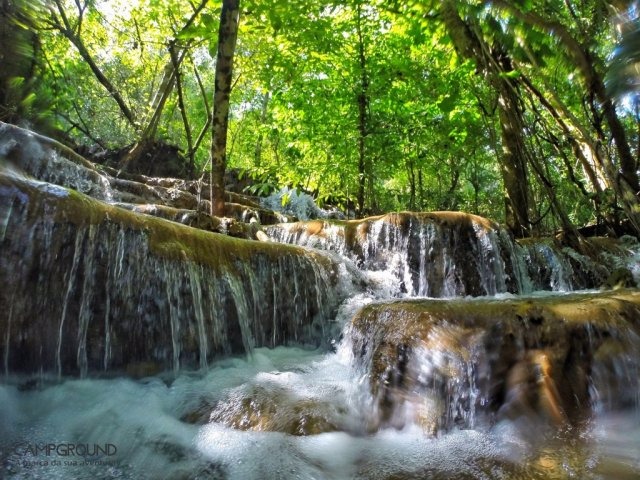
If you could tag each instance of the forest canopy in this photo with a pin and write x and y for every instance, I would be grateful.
(524, 112)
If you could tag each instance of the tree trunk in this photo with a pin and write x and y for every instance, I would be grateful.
(363, 103)
(492, 64)
(623, 176)
(169, 76)
(421, 203)
(583, 59)
(263, 121)
(183, 112)
(63, 25)
(411, 174)
(582, 147)
(157, 105)
(205, 128)
(514, 157)
(229, 19)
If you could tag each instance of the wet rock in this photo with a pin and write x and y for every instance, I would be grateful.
(452, 363)
(200, 413)
(198, 219)
(552, 266)
(620, 278)
(448, 254)
(157, 159)
(36, 156)
(275, 410)
(143, 369)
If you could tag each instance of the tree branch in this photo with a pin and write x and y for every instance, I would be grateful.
(67, 31)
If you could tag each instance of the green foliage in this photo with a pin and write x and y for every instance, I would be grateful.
(431, 139)
(19, 64)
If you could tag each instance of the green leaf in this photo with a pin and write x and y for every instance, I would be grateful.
(447, 104)
(511, 74)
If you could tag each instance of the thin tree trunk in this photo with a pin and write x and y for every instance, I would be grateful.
(183, 112)
(157, 106)
(163, 92)
(411, 173)
(550, 191)
(263, 120)
(363, 102)
(585, 149)
(577, 147)
(420, 157)
(205, 101)
(227, 36)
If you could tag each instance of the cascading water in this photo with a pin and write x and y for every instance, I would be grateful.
(512, 384)
(441, 254)
(449, 254)
(96, 288)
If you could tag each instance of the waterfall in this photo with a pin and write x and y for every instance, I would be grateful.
(32, 156)
(92, 287)
(440, 254)
(450, 254)
(461, 362)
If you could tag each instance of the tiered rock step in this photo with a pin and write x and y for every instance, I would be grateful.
(540, 363)
(183, 201)
(449, 254)
(90, 288)
(461, 363)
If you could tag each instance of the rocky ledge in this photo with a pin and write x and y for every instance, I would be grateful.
(548, 360)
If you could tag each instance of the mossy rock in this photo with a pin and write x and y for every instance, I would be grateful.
(94, 287)
(275, 410)
(620, 278)
(465, 255)
(157, 159)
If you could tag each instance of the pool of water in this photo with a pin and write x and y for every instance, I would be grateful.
(161, 427)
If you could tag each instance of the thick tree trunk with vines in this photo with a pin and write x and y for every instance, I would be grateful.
(514, 155)
(229, 18)
(514, 150)
(623, 174)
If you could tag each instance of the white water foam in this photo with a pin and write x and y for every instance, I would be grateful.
(142, 419)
